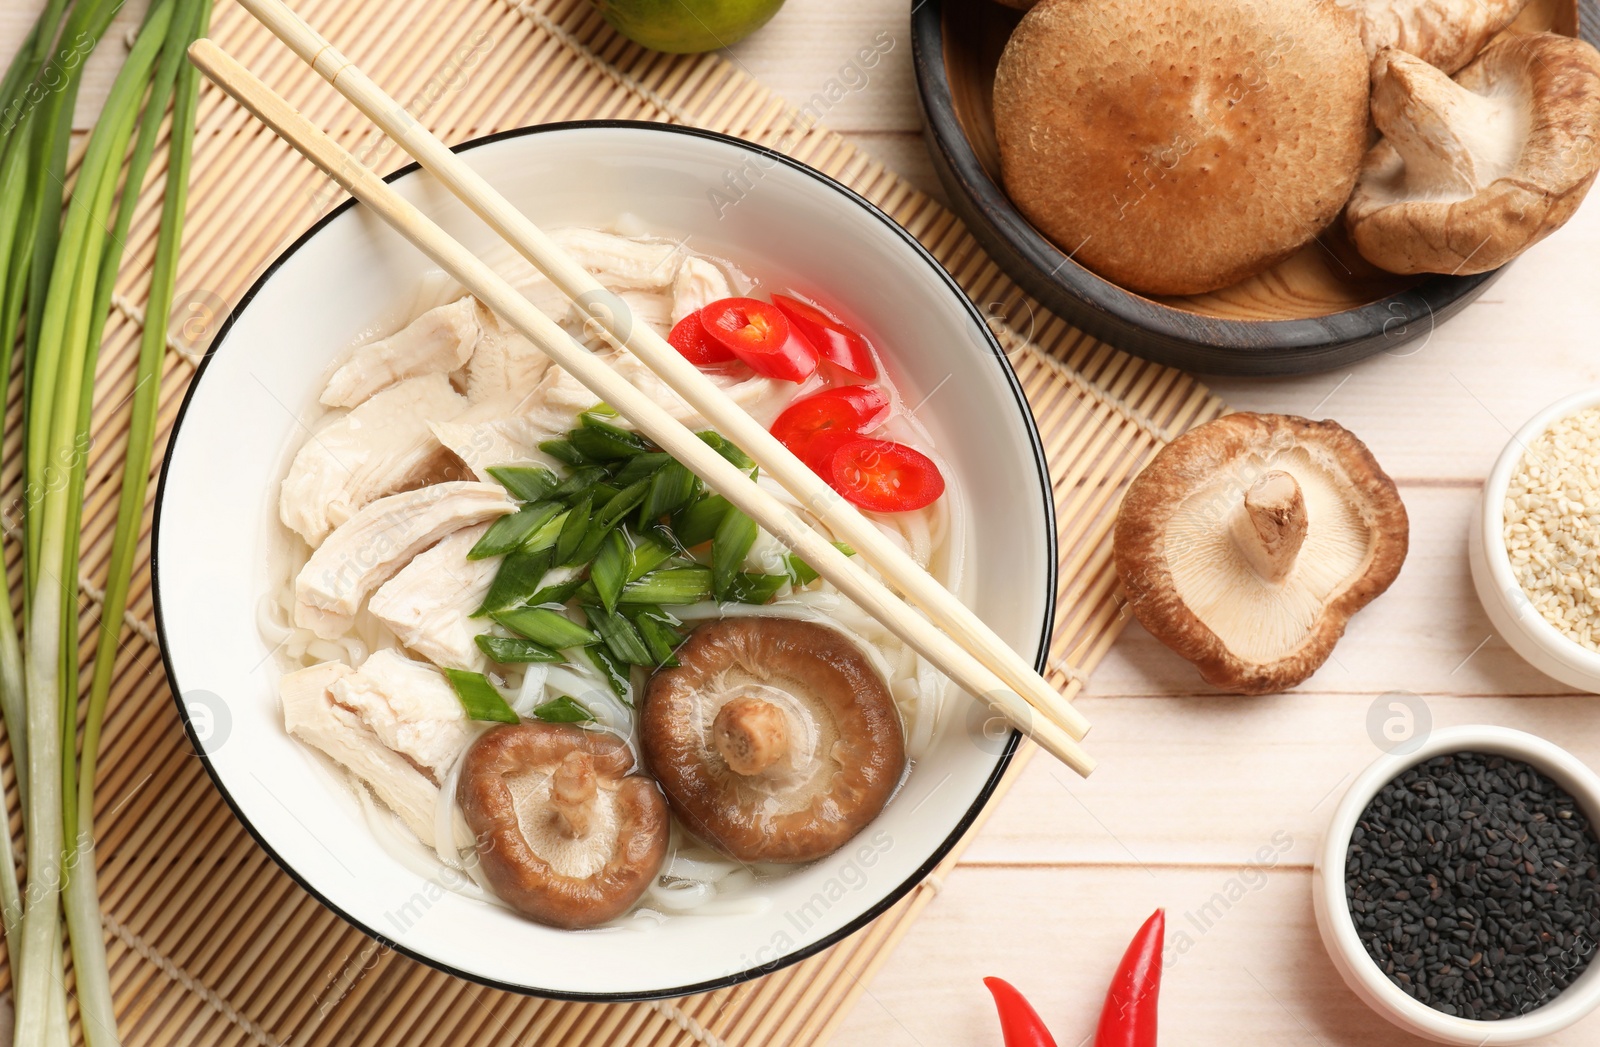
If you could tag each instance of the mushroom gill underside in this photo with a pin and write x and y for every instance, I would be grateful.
(1262, 580)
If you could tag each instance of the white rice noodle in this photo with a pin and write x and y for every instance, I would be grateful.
(404, 848)
(530, 693)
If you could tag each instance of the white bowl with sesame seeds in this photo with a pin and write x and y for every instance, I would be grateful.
(1555, 545)
(1338, 928)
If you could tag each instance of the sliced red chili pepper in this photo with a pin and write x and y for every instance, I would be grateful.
(883, 476)
(1129, 1016)
(836, 342)
(1019, 1022)
(689, 337)
(760, 335)
(849, 409)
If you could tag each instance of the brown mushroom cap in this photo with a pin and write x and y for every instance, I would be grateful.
(774, 739)
(1178, 147)
(1447, 34)
(1247, 543)
(1472, 172)
(565, 834)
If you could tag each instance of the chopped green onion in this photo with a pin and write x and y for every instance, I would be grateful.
(616, 674)
(563, 710)
(802, 573)
(729, 450)
(550, 628)
(563, 451)
(698, 524)
(638, 468)
(479, 699)
(609, 572)
(602, 410)
(508, 532)
(601, 441)
(518, 578)
(619, 635)
(735, 535)
(647, 554)
(657, 631)
(578, 482)
(546, 535)
(527, 483)
(755, 588)
(670, 488)
(670, 585)
(559, 593)
(511, 650)
(578, 523)
(626, 501)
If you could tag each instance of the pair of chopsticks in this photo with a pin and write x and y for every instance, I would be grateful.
(978, 660)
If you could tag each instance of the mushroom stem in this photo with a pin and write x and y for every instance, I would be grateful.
(1454, 141)
(1270, 525)
(751, 735)
(572, 793)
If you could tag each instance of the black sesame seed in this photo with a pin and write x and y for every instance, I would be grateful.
(1474, 884)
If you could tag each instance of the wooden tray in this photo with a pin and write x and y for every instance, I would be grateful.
(1322, 308)
(209, 943)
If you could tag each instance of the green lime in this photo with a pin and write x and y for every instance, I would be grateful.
(687, 26)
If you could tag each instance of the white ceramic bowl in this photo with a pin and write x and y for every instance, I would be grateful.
(1512, 615)
(1333, 910)
(349, 276)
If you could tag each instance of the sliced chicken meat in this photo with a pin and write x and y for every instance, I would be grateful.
(380, 447)
(311, 715)
(410, 707)
(506, 363)
(504, 430)
(699, 283)
(622, 263)
(427, 604)
(366, 551)
(439, 341)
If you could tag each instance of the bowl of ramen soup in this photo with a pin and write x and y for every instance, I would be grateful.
(506, 685)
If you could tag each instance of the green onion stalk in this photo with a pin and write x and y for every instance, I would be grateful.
(61, 261)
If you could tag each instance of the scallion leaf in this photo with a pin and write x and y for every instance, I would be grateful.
(616, 673)
(697, 524)
(511, 650)
(601, 441)
(619, 635)
(754, 588)
(517, 579)
(527, 483)
(670, 488)
(547, 627)
(577, 483)
(659, 636)
(735, 535)
(802, 573)
(508, 532)
(545, 537)
(641, 467)
(558, 593)
(563, 710)
(647, 553)
(479, 699)
(578, 521)
(670, 585)
(609, 572)
(563, 451)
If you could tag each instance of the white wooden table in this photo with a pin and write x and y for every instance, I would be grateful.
(1193, 785)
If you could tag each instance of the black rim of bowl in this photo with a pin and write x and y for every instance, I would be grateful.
(875, 910)
(1132, 322)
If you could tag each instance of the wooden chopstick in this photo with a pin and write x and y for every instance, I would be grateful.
(820, 500)
(671, 435)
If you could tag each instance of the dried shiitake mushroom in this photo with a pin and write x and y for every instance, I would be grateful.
(1473, 171)
(1446, 34)
(1179, 146)
(774, 739)
(565, 834)
(1247, 543)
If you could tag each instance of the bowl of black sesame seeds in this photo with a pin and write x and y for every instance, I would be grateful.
(1458, 887)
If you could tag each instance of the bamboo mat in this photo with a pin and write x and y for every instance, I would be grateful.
(209, 942)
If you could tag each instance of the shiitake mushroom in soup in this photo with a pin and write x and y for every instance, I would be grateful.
(774, 739)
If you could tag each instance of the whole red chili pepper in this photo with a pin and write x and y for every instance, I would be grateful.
(1019, 1022)
(1129, 1016)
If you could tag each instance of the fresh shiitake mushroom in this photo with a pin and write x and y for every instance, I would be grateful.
(775, 740)
(566, 836)
(1446, 34)
(1179, 146)
(1247, 543)
(1473, 171)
